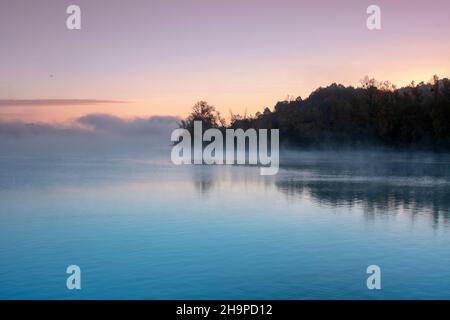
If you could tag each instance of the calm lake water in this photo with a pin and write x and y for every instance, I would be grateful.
(142, 228)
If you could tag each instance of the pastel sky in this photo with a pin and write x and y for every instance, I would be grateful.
(158, 57)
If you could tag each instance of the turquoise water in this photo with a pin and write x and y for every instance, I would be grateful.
(142, 228)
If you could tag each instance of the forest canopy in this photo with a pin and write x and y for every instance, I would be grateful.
(374, 114)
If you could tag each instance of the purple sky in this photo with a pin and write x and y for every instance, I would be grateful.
(161, 56)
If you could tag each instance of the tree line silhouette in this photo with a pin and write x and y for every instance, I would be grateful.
(373, 114)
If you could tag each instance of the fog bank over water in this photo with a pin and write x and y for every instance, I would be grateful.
(92, 132)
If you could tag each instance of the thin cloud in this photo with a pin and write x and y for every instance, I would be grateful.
(112, 124)
(53, 102)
